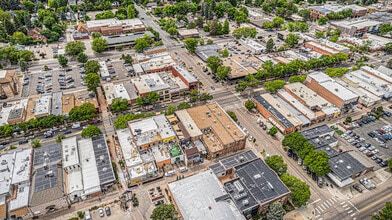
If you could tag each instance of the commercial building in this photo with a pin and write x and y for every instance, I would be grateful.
(190, 80)
(151, 131)
(344, 167)
(377, 74)
(113, 26)
(43, 105)
(15, 185)
(9, 83)
(138, 169)
(385, 70)
(242, 65)
(366, 98)
(356, 81)
(357, 28)
(322, 11)
(252, 45)
(312, 100)
(188, 33)
(202, 196)
(125, 90)
(309, 114)
(220, 134)
(205, 51)
(250, 184)
(73, 180)
(47, 188)
(158, 64)
(326, 47)
(330, 90)
(124, 40)
(276, 113)
(377, 43)
(155, 50)
(16, 115)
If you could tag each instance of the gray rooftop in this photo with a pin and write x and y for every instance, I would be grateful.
(47, 154)
(125, 38)
(57, 103)
(282, 119)
(304, 120)
(104, 165)
(206, 51)
(329, 150)
(184, 73)
(15, 113)
(316, 131)
(256, 184)
(325, 140)
(233, 161)
(344, 165)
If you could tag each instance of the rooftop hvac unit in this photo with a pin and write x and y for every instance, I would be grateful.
(49, 174)
(238, 186)
(240, 196)
(245, 202)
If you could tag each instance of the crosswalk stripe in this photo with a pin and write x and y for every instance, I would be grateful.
(352, 214)
(342, 203)
(326, 205)
(350, 211)
(329, 203)
(321, 208)
(318, 211)
(347, 208)
(334, 199)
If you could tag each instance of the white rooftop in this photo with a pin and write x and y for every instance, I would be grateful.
(113, 22)
(311, 98)
(3, 73)
(22, 197)
(385, 70)
(150, 82)
(43, 104)
(121, 92)
(362, 93)
(22, 166)
(6, 169)
(188, 123)
(367, 77)
(70, 151)
(328, 83)
(130, 153)
(377, 73)
(364, 84)
(297, 105)
(104, 69)
(185, 73)
(74, 181)
(252, 44)
(5, 112)
(195, 198)
(157, 63)
(89, 168)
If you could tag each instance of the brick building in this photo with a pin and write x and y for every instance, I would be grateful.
(9, 83)
(113, 26)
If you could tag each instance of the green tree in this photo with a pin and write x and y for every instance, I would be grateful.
(131, 11)
(84, 112)
(96, 35)
(90, 131)
(99, 45)
(119, 105)
(270, 45)
(389, 64)
(291, 39)
(277, 164)
(153, 97)
(305, 149)
(323, 20)
(320, 34)
(92, 81)
(390, 163)
(163, 212)
(24, 67)
(224, 53)
(249, 105)
(336, 72)
(190, 44)
(170, 109)
(80, 214)
(210, 41)
(305, 14)
(317, 161)
(226, 27)
(274, 86)
(183, 105)
(223, 72)
(214, 62)
(294, 141)
(63, 61)
(75, 48)
(272, 131)
(300, 193)
(36, 143)
(388, 47)
(275, 211)
(91, 66)
(127, 58)
(277, 22)
(172, 31)
(141, 44)
(385, 213)
(348, 119)
(297, 78)
(232, 115)
(60, 138)
(82, 58)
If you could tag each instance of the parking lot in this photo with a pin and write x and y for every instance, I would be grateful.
(49, 81)
(370, 144)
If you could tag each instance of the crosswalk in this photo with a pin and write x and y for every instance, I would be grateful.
(332, 202)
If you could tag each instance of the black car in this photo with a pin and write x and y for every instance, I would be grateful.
(358, 188)
(295, 157)
(378, 160)
(308, 171)
(68, 69)
(25, 141)
(67, 132)
(289, 153)
(4, 143)
(314, 176)
(107, 210)
(383, 164)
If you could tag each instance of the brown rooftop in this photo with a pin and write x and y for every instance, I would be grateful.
(68, 102)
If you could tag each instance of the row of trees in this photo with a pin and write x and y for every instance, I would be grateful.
(300, 192)
(244, 32)
(280, 70)
(122, 120)
(281, 8)
(78, 113)
(121, 13)
(172, 108)
(316, 161)
(218, 69)
(11, 55)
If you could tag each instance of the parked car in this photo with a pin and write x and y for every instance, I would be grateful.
(320, 181)
(25, 141)
(100, 211)
(107, 210)
(67, 132)
(170, 173)
(358, 188)
(383, 164)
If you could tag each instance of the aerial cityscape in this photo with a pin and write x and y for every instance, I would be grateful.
(195, 110)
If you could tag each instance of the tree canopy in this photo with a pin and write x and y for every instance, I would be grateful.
(75, 48)
(214, 62)
(317, 161)
(249, 105)
(385, 213)
(190, 44)
(276, 163)
(119, 105)
(275, 211)
(92, 81)
(164, 212)
(300, 192)
(91, 131)
(99, 45)
(91, 66)
(83, 112)
(122, 120)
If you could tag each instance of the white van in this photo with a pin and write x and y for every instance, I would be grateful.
(170, 173)
(87, 215)
(76, 125)
(183, 169)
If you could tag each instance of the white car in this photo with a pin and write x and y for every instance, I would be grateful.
(100, 211)
(365, 151)
(344, 135)
(375, 151)
(362, 149)
(371, 148)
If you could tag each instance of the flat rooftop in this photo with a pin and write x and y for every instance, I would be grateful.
(359, 24)
(256, 185)
(344, 165)
(157, 63)
(22, 197)
(89, 167)
(70, 151)
(113, 22)
(185, 74)
(6, 172)
(318, 131)
(102, 160)
(125, 38)
(377, 73)
(196, 197)
(189, 123)
(361, 92)
(213, 116)
(358, 82)
(186, 32)
(328, 83)
(43, 104)
(22, 166)
(233, 161)
(150, 82)
(131, 154)
(57, 103)
(385, 70)
(48, 154)
(68, 102)
(297, 105)
(292, 111)
(242, 65)
(369, 78)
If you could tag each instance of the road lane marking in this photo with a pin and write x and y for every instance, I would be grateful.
(342, 203)
(315, 201)
(353, 206)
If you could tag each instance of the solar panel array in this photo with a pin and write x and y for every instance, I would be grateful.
(104, 165)
(46, 178)
(53, 154)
